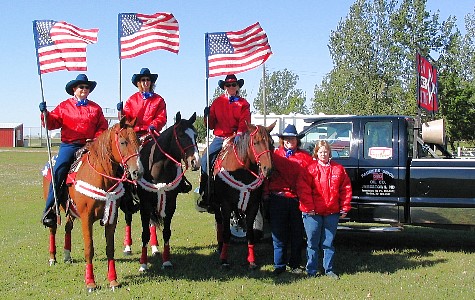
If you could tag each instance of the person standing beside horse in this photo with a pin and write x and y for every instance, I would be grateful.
(283, 203)
(80, 121)
(228, 115)
(325, 197)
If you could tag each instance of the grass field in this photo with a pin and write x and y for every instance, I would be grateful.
(418, 263)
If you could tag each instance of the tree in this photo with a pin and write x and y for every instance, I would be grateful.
(281, 95)
(373, 51)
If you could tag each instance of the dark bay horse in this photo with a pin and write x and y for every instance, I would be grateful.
(95, 193)
(157, 191)
(238, 173)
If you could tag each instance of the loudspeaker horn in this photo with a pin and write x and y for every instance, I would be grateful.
(433, 132)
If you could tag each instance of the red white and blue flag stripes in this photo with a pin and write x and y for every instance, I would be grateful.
(61, 46)
(236, 51)
(140, 33)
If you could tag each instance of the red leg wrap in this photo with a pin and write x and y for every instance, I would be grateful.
(128, 236)
(52, 243)
(153, 235)
(166, 253)
(250, 254)
(143, 258)
(89, 274)
(111, 273)
(224, 252)
(67, 241)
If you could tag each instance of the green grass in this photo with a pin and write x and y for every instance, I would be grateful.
(418, 263)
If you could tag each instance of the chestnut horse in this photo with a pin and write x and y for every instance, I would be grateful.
(157, 190)
(95, 194)
(239, 171)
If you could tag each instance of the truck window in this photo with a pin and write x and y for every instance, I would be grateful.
(337, 134)
(378, 140)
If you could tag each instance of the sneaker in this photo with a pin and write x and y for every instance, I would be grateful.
(332, 275)
(278, 271)
(296, 271)
(49, 219)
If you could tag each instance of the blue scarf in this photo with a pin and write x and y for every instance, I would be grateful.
(146, 95)
(82, 102)
(233, 99)
(289, 152)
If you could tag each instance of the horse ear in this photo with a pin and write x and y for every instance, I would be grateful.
(177, 117)
(271, 126)
(193, 118)
(122, 122)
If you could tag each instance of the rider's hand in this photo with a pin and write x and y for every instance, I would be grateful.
(151, 128)
(120, 106)
(237, 137)
(206, 111)
(42, 106)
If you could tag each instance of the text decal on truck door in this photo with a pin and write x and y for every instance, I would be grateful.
(378, 182)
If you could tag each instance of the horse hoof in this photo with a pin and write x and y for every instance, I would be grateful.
(51, 262)
(143, 268)
(68, 260)
(225, 265)
(127, 253)
(114, 285)
(155, 251)
(91, 287)
(252, 266)
(167, 265)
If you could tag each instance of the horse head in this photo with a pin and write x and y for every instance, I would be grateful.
(260, 145)
(126, 149)
(185, 136)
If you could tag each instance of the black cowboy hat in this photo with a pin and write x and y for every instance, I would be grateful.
(290, 131)
(81, 78)
(230, 79)
(145, 72)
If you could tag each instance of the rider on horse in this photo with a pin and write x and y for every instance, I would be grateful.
(228, 115)
(80, 120)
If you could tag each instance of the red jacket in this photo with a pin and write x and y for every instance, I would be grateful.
(152, 111)
(77, 123)
(283, 180)
(229, 118)
(324, 189)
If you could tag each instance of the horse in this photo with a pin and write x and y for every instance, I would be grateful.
(94, 193)
(238, 172)
(158, 189)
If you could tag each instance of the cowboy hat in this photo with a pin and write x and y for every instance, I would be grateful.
(290, 131)
(230, 79)
(81, 78)
(145, 72)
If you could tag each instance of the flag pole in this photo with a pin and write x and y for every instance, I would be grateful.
(264, 102)
(208, 183)
(119, 113)
(50, 159)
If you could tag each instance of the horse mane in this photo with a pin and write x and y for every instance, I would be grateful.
(243, 146)
(101, 147)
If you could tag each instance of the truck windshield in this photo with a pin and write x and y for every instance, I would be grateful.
(337, 134)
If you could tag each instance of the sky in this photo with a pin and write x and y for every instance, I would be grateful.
(298, 33)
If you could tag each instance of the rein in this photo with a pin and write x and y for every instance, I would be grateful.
(123, 159)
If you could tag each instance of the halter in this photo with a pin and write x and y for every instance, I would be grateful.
(123, 163)
(256, 156)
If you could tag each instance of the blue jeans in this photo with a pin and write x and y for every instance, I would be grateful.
(215, 146)
(61, 168)
(321, 231)
(286, 226)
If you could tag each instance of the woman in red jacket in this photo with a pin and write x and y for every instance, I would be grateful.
(80, 120)
(325, 195)
(280, 190)
(148, 107)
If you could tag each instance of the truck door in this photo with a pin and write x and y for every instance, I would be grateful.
(379, 187)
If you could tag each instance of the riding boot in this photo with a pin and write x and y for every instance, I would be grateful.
(49, 218)
(203, 201)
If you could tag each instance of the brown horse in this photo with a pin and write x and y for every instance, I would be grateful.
(95, 193)
(238, 173)
(162, 158)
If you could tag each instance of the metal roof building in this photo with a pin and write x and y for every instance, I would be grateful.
(11, 134)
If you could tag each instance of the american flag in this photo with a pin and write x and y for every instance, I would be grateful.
(61, 46)
(139, 34)
(236, 51)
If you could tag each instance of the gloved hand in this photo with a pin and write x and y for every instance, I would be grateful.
(237, 137)
(42, 106)
(206, 111)
(151, 128)
(120, 106)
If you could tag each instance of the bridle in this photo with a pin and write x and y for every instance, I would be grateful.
(123, 163)
(253, 150)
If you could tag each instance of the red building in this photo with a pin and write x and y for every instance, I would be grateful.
(11, 135)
